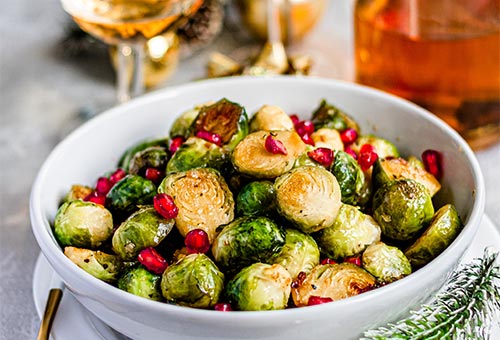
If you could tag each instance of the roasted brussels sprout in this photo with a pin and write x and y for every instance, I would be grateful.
(299, 254)
(203, 199)
(415, 162)
(129, 193)
(193, 281)
(77, 192)
(105, 267)
(152, 157)
(327, 138)
(144, 228)
(382, 146)
(386, 263)
(82, 224)
(309, 197)
(256, 199)
(259, 287)
(141, 282)
(182, 124)
(328, 116)
(251, 158)
(134, 149)
(349, 235)
(335, 281)
(271, 118)
(444, 227)
(354, 185)
(402, 208)
(247, 240)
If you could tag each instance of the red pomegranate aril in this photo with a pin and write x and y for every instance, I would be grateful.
(153, 261)
(432, 160)
(196, 241)
(175, 144)
(274, 146)
(366, 148)
(304, 127)
(323, 156)
(367, 156)
(307, 139)
(165, 206)
(354, 260)
(351, 152)
(295, 119)
(117, 176)
(103, 185)
(328, 261)
(299, 280)
(318, 300)
(210, 137)
(154, 175)
(348, 136)
(96, 198)
(223, 307)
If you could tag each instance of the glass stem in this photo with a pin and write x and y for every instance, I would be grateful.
(130, 71)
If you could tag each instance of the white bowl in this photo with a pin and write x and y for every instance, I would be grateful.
(95, 147)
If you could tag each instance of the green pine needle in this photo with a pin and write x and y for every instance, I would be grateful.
(464, 308)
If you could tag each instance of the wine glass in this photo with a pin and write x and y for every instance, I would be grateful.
(128, 24)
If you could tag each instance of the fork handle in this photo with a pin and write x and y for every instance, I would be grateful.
(53, 300)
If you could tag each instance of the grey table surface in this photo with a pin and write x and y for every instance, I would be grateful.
(41, 91)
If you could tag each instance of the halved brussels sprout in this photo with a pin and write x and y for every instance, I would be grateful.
(256, 199)
(354, 185)
(383, 148)
(105, 267)
(444, 227)
(415, 162)
(247, 240)
(335, 281)
(351, 233)
(386, 263)
(141, 282)
(250, 156)
(142, 145)
(203, 199)
(327, 138)
(144, 228)
(309, 197)
(82, 224)
(193, 281)
(152, 157)
(129, 193)
(385, 170)
(329, 116)
(299, 254)
(259, 287)
(182, 124)
(77, 192)
(402, 207)
(271, 118)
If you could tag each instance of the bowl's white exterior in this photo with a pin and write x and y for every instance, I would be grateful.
(94, 148)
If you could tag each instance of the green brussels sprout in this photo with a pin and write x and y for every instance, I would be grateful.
(415, 162)
(203, 199)
(327, 138)
(329, 116)
(129, 193)
(354, 185)
(144, 228)
(309, 197)
(256, 199)
(251, 158)
(152, 157)
(142, 145)
(260, 287)
(443, 229)
(82, 224)
(271, 118)
(349, 235)
(299, 254)
(141, 282)
(77, 192)
(197, 153)
(182, 124)
(382, 146)
(386, 263)
(402, 207)
(105, 267)
(247, 240)
(335, 281)
(193, 281)
(388, 169)
(305, 160)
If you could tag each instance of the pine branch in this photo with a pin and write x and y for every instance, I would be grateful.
(465, 308)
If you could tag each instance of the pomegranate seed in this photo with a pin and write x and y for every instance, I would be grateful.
(307, 139)
(154, 175)
(175, 143)
(328, 261)
(96, 198)
(354, 260)
(197, 241)
(295, 119)
(210, 137)
(274, 146)
(432, 160)
(318, 300)
(298, 281)
(348, 136)
(323, 156)
(304, 127)
(223, 307)
(165, 206)
(365, 148)
(117, 176)
(367, 156)
(103, 185)
(153, 261)
(351, 152)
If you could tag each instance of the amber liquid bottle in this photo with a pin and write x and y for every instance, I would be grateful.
(443, 55)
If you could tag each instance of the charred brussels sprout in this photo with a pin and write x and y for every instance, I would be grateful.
(144, 228)
(182, 125)
(141, 282)
(134, 149)
(271, 118)
(402, 208)
(335, 281)
(203, 199)
(329, 116)
(193, 281)
(386, 263)
(77, 192)
(351, 233)
(354, 185)
(256, 199)
(299, 254)
(105, 267)
(327, 138)
(260, 287)
(129, 193)
(383, 148)
(309, 197)
(82, 224)
(152, 157)
(444, 227)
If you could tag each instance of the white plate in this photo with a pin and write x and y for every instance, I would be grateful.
(74, 322)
